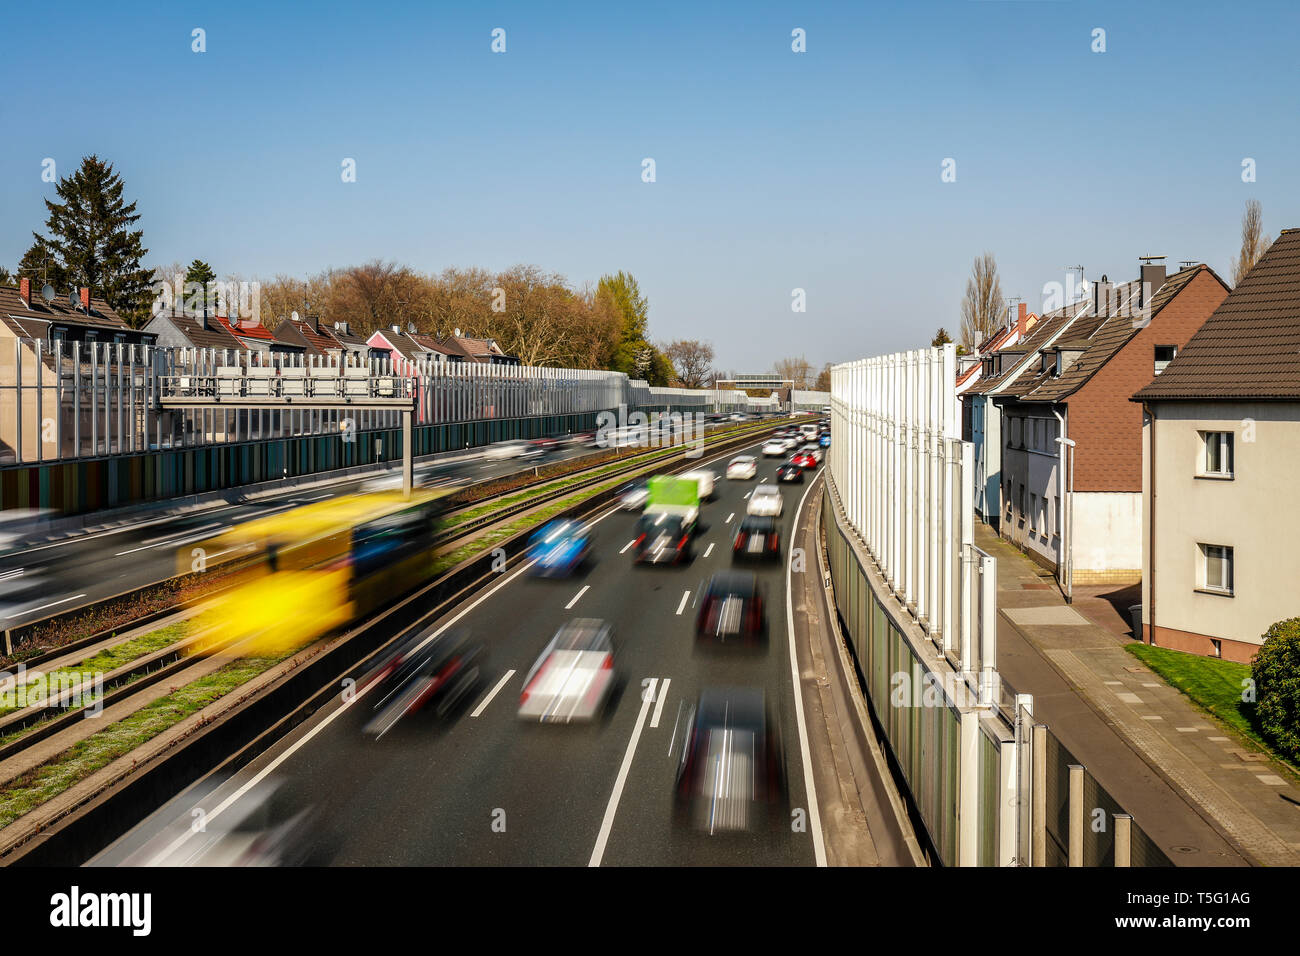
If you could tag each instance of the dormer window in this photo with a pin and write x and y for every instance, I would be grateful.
(1164, 355)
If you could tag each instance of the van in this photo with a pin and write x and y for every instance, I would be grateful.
(809, 432)
(704, 480)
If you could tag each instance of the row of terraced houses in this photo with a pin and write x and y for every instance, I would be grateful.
(1151, 433)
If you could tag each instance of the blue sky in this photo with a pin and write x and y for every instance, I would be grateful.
(775, 170)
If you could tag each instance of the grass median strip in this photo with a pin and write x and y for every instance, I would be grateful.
(41, 784)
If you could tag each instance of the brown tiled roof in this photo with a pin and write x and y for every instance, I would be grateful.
(32, 318)
(1047, 328)
(214, 336)
(430, 344)
(1250, 347)
(318, 343)
(404, 344)
(348, 339)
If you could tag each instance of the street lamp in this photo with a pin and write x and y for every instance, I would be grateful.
(1067, 544)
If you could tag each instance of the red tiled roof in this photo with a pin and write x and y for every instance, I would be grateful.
(246, 330)
(1249, 348)
(322, 341)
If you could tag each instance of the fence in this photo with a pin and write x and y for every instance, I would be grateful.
(918, 604)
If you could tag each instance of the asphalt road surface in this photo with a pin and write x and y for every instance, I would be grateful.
(485, 788)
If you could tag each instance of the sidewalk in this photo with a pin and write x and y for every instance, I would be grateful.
(1202, 793)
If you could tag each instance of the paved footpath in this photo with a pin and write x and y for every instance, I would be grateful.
(1205, 795)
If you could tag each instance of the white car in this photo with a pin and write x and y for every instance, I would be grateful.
(766, 500)
(505, 449)
(574, 676)
(774, 448)
(742, 467)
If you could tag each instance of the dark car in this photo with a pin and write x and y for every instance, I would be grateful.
(732, 610)
(790, 472)
(731, 778)
(424, 670)
(758, 537)
(661, 539)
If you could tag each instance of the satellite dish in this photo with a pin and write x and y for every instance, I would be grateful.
(410, 327)
(458, 333)
(294, 317)
(47, 293)
(72, 299)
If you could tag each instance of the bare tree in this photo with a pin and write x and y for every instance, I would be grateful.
(1253, 242)
(982, 305)
(692, 361)
(823, 383)
(798, 370)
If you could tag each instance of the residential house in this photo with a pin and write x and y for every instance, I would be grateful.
(1221, 456)
(260, 344)
(316, 341)
(971, 368)
(173, 329)
(405, 349)
(1072, 440)
(481, 351)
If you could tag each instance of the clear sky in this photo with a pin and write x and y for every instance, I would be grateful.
(775, 170)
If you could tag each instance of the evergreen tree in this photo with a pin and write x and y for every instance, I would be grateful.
(91, 236)
(41, 265)
(200, 272)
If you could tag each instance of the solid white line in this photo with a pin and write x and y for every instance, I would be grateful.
(495, 690)
(626, 546)
(608, 823)
(177, 534)
(685, 597)
(576, 597)
(320, 497)
(659, 705)
(747, 494)
(33, 610)
(174, 542)
(814, 814)
(709, 550)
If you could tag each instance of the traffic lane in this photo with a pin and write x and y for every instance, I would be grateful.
(644, 830)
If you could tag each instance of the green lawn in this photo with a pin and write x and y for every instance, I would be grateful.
(1213, 685)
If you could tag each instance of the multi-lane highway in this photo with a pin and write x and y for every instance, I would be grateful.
(488, 788)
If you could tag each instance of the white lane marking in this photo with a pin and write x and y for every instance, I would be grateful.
(626, 546)
(607, 824)
(730, 516)
(659, 705)
(175, 542)
(814, 815)
(177, 534)
(495, 690)
(577, 596)
(685, 597)
(747, 494)
(320, 497)
(709, 550)
(33, 610)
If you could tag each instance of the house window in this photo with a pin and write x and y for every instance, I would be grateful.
(1040, 521)
(1056, 517)
(1034, 524)
(1216, 568)
(1164, 355)
(1217, 461)
(1023, 512)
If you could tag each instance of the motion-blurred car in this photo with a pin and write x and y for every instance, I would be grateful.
(731, 777)
(632, 496)
(704, 480)
(558, 548)
(803, 459)
(814, 449)
(757, 537)
(574, 675)
(766, 500)
(790, 472)
(742, 468)
(774, 447)
(661, 539)
(825, 440)
(438, 671)
(731, 610)
(503, 450)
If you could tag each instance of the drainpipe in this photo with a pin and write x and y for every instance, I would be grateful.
(1065, 564)
(1150, 635)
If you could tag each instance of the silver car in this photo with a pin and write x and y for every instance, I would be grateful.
(766, 500)
(574, 675)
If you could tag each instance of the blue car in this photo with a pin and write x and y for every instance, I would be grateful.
(558, 548)
(824, 441)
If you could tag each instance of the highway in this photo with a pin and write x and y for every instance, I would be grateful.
(488, 789)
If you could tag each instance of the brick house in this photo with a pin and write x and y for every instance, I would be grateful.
(1072, 439)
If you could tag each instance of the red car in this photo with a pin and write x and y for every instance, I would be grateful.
(804, 460)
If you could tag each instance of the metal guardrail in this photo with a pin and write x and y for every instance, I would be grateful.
(290, 386)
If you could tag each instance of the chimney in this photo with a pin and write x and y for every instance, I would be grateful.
(1022, 313)
(85, 300)
(313, 320)
(1152, 278)
(25, 290)
(342, 327)
(1102, 296)
(397, 329)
